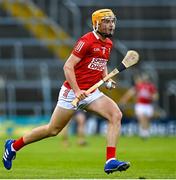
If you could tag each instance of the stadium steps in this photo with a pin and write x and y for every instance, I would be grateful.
(36, 52)
(18, 31)
(14, 34)
(28, 13)
(31, 71)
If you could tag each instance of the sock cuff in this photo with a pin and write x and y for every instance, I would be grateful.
(18, 144)
(12, 148)
(110, 160)
(110, 152)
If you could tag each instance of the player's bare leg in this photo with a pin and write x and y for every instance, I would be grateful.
(108, 109)
(81, 119)
(144, 125)
(64, 135)
(59, 119)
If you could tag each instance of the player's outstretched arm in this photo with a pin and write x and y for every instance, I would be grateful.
(127, 96)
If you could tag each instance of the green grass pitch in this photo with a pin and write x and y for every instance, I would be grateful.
(152, 158)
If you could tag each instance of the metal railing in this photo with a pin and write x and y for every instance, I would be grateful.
(10, 106)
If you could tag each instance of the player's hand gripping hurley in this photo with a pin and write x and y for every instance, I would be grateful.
(131, 58)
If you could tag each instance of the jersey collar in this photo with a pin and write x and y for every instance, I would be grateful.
(97, 37)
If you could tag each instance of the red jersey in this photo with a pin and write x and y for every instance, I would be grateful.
(94, 55)
(145, 91)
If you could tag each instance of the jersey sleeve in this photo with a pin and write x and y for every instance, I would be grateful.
(81, 48)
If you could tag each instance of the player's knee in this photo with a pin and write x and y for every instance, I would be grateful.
(53, 131)
(120, 115)
(116, 117)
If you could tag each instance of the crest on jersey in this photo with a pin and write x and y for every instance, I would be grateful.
(103, 49)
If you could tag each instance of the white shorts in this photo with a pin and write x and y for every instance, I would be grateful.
(66, 96)
(144, 109)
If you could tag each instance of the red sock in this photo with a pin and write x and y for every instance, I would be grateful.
(18, 144)
(110, 152)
